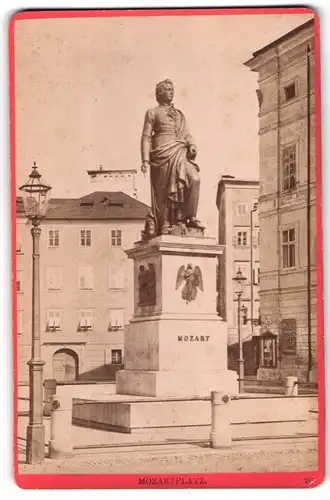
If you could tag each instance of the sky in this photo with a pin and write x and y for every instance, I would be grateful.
(83, 85)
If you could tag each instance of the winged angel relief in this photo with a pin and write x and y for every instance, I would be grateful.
(193, 279)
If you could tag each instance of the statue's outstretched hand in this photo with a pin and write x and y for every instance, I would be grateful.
(144, 167)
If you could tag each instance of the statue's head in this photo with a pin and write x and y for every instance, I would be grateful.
(165, 91)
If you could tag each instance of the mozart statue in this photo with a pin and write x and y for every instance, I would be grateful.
(168, 149)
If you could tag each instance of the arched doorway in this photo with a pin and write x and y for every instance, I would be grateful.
(65, 365)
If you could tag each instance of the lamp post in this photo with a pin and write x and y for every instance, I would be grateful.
(35, 194)
(239, 280)
(255, 208)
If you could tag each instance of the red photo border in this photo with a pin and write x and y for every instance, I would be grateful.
(131, 481)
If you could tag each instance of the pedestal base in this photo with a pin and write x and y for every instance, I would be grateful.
(176, 357)
(183, 383)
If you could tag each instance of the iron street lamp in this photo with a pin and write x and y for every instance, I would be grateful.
(35, 194)
(239, 280)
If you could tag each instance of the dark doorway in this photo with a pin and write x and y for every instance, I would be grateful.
(250, 354)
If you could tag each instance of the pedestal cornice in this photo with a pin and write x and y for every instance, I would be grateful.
(179, 245)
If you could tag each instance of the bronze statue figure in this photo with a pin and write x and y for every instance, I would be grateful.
(193, 278)
(168, 149)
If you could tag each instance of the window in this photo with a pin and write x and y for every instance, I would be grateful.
(19, 281)
(256, 276)
(85, 320)
(241, 209)
(53, 278)
(116, 320)
(20, 322)
(53, 320)
(113, 356)
(116, 357)
(53, 238)
(115, 237)
(256, 240)
(289, 248)
(289, 168)
(268, 351)
(85, 238)
(290, 91)
(115, 277)
(289, 336)
(85, 278)
(244, 315)
(241, 239)
(19, 247)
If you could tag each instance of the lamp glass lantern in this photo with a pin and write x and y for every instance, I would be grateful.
(35, 195)
(240, 281)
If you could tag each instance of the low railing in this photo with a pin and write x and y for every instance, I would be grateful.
(223, 419)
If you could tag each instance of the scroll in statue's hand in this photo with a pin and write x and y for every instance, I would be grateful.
(144, 167)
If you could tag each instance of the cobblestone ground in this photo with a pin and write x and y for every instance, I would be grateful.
(192, 459)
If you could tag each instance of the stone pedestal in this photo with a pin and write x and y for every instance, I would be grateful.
(176, 344)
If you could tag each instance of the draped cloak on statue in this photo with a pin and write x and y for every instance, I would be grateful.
(174, 177)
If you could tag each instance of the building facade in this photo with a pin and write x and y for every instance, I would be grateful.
(114, 180)
(86, 284)
(287, 214)
(239, 232)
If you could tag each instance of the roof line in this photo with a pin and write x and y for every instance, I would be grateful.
(283, 37)
(103, 170)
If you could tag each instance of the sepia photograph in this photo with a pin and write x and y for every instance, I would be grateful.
(167, 251)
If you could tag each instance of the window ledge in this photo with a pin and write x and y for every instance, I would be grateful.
(287, 102)
(288, 270)
(288, 192)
